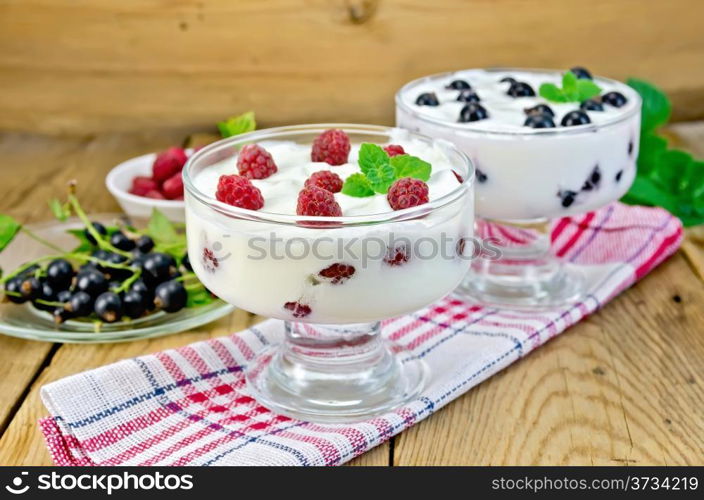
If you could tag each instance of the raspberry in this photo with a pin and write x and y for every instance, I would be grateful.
(313, 200)
(324, 179)
(155, 195)
(238, 191)
(406, 193)
(141, 185)
(173, 187)
(332, 147)
(396, 256)
(459, 178)
(394, 150)
(297, 309)
(168, 163)
(337, 273)
(255, 162)
(210, 261)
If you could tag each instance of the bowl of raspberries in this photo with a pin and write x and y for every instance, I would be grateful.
(150, 181)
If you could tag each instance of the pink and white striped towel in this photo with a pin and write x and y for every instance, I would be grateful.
(189, 406)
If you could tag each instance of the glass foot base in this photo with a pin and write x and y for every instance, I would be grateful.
(297, 387)
(527, 291)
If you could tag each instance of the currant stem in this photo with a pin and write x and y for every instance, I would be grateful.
(41, 240)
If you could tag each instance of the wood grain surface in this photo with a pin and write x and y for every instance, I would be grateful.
(624, 386)
(81, 66)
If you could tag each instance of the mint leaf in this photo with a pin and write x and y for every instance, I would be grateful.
(381, 177)
(371, 156)
(569, 86)
(651, 147)
(672, 170)
(586, 89)
(9, 227)
(238, 124)
(410, 166)
(357, 185)
(656, 105)
(551, 92)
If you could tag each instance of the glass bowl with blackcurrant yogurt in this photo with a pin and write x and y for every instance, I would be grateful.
(546, 144)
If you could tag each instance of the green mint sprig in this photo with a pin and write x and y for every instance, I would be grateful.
(666, 177)
(379, 171)
(573, 89)
(237, 124)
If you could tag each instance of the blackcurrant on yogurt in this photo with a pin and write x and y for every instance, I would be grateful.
(371, 263)
(534, 158)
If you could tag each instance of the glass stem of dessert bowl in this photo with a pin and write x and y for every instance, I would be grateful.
(521, 272)
(332, 363)
(341, 372)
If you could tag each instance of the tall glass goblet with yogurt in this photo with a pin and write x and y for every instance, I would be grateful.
(536, 161)
(332, 279)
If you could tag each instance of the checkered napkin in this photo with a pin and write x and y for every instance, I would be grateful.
(190, 406)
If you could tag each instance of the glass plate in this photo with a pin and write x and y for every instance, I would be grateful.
(27, 322)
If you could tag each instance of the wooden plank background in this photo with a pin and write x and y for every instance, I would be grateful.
(86, 66)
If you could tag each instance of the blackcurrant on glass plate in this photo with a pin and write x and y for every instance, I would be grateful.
(27, 322)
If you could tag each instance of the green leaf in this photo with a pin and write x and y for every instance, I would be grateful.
(357, 185)
(671, 170)
(161, 229)
(551, 92)
(197, 297)
(569, 86)
(651, 147)
(371, 156)
(381, 177)
(586, 89)
(646, 192)
(84, 246)
(9, 227)
(656, 105)
(60, 211)
(238, 124)
(410, 166)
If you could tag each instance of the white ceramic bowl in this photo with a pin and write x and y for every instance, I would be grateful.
(119, 182)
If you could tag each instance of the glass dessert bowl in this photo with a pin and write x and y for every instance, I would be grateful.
(536, 161)
(334, 275)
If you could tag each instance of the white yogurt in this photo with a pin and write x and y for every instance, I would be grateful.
(525, 173)
(263, 265)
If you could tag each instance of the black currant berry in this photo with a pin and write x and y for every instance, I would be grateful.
(134, 304)
(581, 72)
(157, 268)
(591, 105)
(64, 296)
(145, 291)
(80, 304)
(540, 109)
(91, 282)
(427, 99)
(99, 228)
(59, 274)
(615, 99)
(120, 241)
(170, 296)
(567, 197)
(473, 112)
(574, 118)
(186, 262)
(507, 79)
(539, 121)
(46, 293)
(31, 288)
(458, 85)
(145, 244)
(108, 307)
(13, 286)
(520, 89)
(468, 96)
(60, 315)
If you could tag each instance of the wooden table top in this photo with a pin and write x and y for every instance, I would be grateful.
(625, 386)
